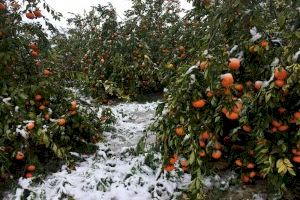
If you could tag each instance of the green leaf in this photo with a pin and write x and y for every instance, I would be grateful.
(192, 158)
(281, 20)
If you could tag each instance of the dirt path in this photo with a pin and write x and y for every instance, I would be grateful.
(116, 171)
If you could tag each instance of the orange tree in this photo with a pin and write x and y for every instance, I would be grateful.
(240, 104)
(39, 119)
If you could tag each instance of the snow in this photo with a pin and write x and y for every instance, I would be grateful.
(255, 34)
(116, 171)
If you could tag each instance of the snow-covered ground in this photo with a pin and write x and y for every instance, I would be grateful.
(116, 171)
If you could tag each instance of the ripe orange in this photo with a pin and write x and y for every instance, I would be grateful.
(202, 154)
(184, 163)
(227, 80)
(224, 111)
(245, 178)
(2, 6)
(20, 156)
(73, 105)
(199, 103)
(238, 162)
(296, 152)
(30, 126)
(28, 175)
(37, 13)
(252, 174)
(239, 87)
(247, 128)
(34, 54)
(172, 161)
(30, 15)
(202, 143)
(33, 46)
(280, 73)
(209, 94)
(264, 44)
(203, 65)
(42, 107)
(297, 115)
(232, 115)
(204, 136)
(217, 146)
(238, 107)
(250, 165)
(283, 128)
(234, 63)
(38, 97)
(276, 123)
(47, 117)
(258, 85)
(217, 154)
(46, 72)
(282, 110)
(296, 159)
(31, 168)
(180, 131)
(61, 122)
(279, 83)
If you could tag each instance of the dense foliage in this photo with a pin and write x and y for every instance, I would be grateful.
(240, 104)
(40, 120)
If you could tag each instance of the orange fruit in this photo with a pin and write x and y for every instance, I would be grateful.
(28, 175)
(224, 111)
(217, 154)
(250, 165)
(202, 154)
(274, 129)
(172, 161)
(283, 128)
(47, 72)
(37, 13)
(247, 128)
(184, 168)
(245, 179)
(2, 6)
(296, 152)
(180, 131)
(297, 115)
(232, 115)
(209, 94)
(227, 80)
(279, 83)
(20, 156)
(258, 85)
(264, 44)
(38, 97)
(203, 65)
(199, 103)
(61, 122)
(30, 15)
(252, 174)
(238, 162)
(73, 105)
(184, 163)
(239, 87)
(276, 123)
(33, 46)
(42, 107)
(30, 126)
(280, 73)
(31, 168)
(217, 146)
(238, 107)
(204, 136)
(202, 143)
(296, 159)
(234, 63)
(34, 54)
(282, 110)
(47, 117)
